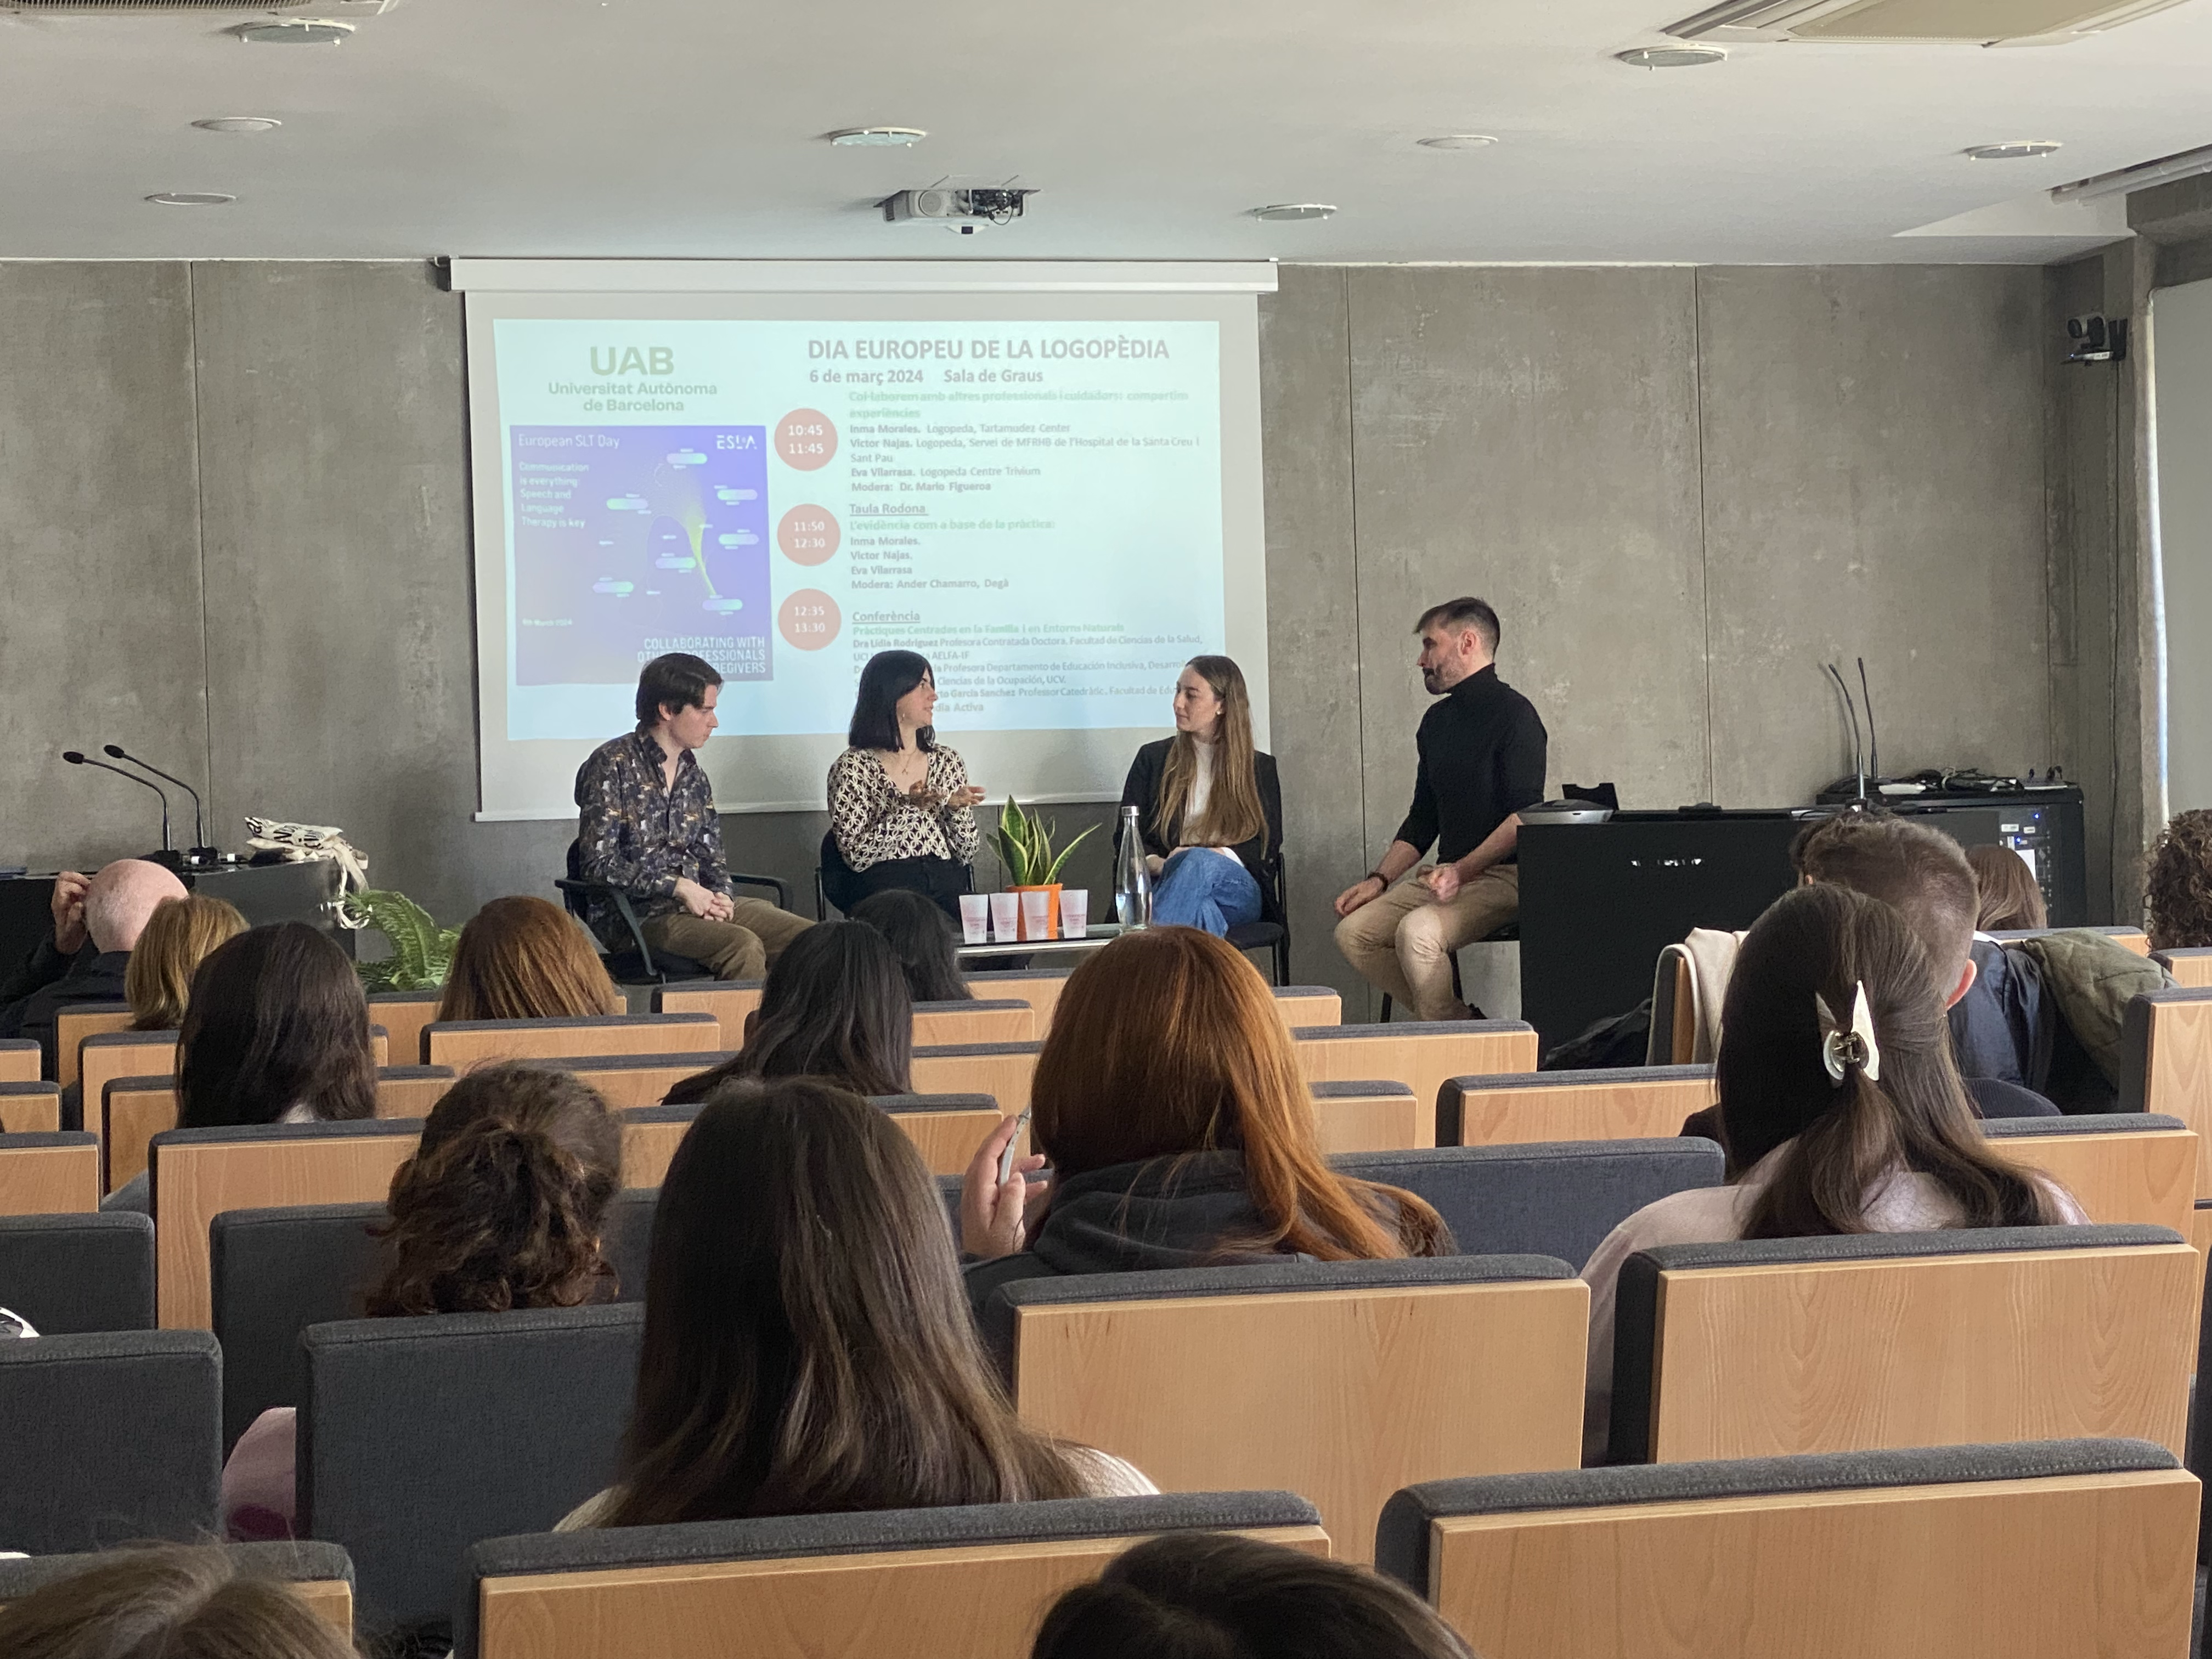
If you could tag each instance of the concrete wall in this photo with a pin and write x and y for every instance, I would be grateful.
(236, 501)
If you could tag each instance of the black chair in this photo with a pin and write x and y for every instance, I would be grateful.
(1263, 934)
(1511, 931)
(639, 965)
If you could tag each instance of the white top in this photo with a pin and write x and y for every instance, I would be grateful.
(1201, 786)
(1103, 1474)
(1903, 1202)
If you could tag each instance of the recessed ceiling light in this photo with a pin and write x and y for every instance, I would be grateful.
(2014, 150)
(1294, 210)
(1671, 57)
(1459, 140)
(239, 124)
(872, 137)
(188, 198)
(294, 32)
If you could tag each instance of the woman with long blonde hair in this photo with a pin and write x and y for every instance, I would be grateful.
(1168, 1102)
(179, 935)
(1209, 806)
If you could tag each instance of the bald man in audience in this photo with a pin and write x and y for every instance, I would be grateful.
(97, 921)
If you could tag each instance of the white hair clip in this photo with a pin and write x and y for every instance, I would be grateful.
(1841, 1049)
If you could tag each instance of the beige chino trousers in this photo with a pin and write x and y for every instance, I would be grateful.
(1403, 942)
(740, 948)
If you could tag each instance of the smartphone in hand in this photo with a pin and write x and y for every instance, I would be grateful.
(1013, 1145)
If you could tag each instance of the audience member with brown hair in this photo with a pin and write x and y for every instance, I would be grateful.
(502, 1207)
(1168, 1102)
(523, 959)
(923, 937)
(807, 1350)
(178, 936)
(2178, 883)
(1843, 1110)
(835, 1006)
(276, 1031)
(1215, 1595)
(2011, 901)
(167, 1601)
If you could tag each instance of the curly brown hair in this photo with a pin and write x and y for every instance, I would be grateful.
(503, 1205)
(2178, 885)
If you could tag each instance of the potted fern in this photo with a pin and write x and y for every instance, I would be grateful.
(1024, 842)
(421, 951)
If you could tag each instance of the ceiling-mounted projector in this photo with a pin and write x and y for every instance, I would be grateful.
(956, 209)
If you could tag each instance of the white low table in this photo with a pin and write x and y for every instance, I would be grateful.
(1100, 933)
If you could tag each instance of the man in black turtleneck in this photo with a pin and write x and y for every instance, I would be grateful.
(1482, 753)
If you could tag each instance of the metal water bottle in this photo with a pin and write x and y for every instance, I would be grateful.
(1133, 881)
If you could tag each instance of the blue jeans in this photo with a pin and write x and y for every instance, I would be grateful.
(1203, 889)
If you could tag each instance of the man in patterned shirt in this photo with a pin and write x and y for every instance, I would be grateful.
(647, 825)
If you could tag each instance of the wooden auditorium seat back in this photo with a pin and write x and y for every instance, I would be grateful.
(466, 1044)
(1421, 1055)
(946, 1129)
(650, 1135)
(30, 1109)
(133, 1110)
(49, 1174)
(20, 1060)
(1638, 1102)
(2035, 1551)
(1343, 1380)
(1039, 986)
(2165, 1065)
(1372, 1114)
(2122, 1167)
(197, 1173)
(994, 1018)
(729, 1000)
(1001, 1070)
(1302, 1005)
(889, 1585)
(628, 1080)
(404, 1014)
(2190, 966)
(122, 1053)
(76, 1022)
(1776, 1346)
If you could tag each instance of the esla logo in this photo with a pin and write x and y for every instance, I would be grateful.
(633, 360)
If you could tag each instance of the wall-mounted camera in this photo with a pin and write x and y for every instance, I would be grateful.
(2097, 339)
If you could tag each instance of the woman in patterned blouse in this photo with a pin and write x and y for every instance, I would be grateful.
(901, 807)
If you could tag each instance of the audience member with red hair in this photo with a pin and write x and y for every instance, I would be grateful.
(1168, 1102)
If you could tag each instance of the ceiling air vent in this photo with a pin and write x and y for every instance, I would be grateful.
(1913, 22)
(205, 8)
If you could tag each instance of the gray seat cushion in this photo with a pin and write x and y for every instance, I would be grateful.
(69, 1273)
(785, 1537)
(1553, 1198)
(419, 1437)
(1401, 1537)
(108, 1437)
(276, 1271)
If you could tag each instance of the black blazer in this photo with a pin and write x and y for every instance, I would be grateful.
(1258, 855)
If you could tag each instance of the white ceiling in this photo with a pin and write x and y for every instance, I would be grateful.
(692, 127)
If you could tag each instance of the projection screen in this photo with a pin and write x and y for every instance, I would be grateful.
(1046, 479)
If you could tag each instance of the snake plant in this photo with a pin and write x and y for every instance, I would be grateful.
(1024, 842)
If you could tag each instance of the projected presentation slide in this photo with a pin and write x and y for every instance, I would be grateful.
(1037, 507)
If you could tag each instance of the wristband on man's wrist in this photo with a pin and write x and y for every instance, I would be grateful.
(1376, 875)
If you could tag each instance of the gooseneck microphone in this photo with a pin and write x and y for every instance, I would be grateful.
(1858, 754)
(1874, 743)
(76, 759)
(114, 752)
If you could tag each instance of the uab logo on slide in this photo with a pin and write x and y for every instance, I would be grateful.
(633, 360)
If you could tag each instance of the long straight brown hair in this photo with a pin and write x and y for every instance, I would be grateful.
(277, 1019)
(523, 959)
(808, 1345)
(1167, 1042)
(1824, 941)
(1233, 813)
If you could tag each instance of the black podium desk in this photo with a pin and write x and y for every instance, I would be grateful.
(263, 893)
(1599, 901)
